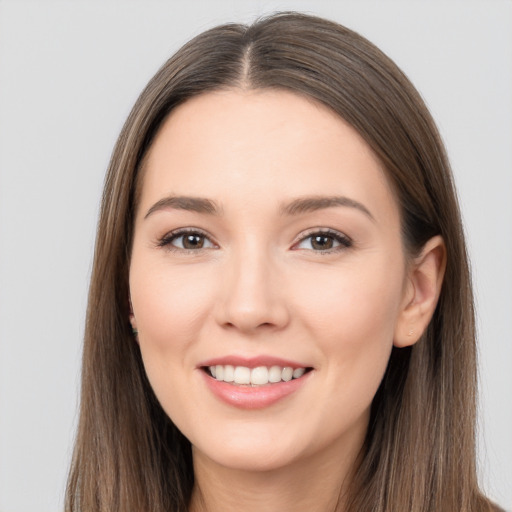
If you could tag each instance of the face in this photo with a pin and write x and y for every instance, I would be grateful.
(267, 278)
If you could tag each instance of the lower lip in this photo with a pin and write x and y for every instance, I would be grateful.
(257, 397)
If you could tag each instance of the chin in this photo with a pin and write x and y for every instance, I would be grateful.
(249, 458)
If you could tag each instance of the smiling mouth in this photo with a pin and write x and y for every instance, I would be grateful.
(254, 377)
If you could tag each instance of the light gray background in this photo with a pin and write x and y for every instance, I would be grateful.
(69, 73)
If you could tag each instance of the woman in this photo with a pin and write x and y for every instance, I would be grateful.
(280, 313)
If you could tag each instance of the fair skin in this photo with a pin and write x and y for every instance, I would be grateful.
(291, 257)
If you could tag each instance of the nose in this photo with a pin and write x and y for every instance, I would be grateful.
(252, 297)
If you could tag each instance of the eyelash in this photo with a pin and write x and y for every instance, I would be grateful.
(168, 239)
(344, 241)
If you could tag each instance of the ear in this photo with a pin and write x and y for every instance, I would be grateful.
(133, 322)
(421, 293)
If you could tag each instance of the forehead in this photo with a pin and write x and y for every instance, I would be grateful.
(265, 143)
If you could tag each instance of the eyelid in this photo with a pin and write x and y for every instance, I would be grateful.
(166, 240)
(344, 240)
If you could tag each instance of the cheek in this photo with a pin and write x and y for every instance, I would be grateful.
(362, 298)
(352, 314)
(170, 309)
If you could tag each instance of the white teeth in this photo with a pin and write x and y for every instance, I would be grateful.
(258, 376)
(274, 374)
(242, 375)
(298, 372)
(287, 374)
(229, 373)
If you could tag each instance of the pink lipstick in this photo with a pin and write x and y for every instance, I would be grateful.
(253, 383)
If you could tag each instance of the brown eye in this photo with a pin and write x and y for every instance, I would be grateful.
(324, 242)
(186, 240)
(192, 241)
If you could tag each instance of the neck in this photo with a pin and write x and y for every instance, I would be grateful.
(306, 486)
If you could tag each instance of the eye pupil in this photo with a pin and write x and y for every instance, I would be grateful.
(322, 242)
(193, 241)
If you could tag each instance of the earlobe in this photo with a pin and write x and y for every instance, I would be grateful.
(135, 331)
(133, 322)
(424, 285)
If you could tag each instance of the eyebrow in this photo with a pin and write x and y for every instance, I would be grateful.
(191, 204)
(296, 207)
(314, 203)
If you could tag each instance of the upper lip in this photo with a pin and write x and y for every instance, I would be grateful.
(252, 362)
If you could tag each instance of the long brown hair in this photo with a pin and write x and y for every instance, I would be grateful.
(419, 453)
